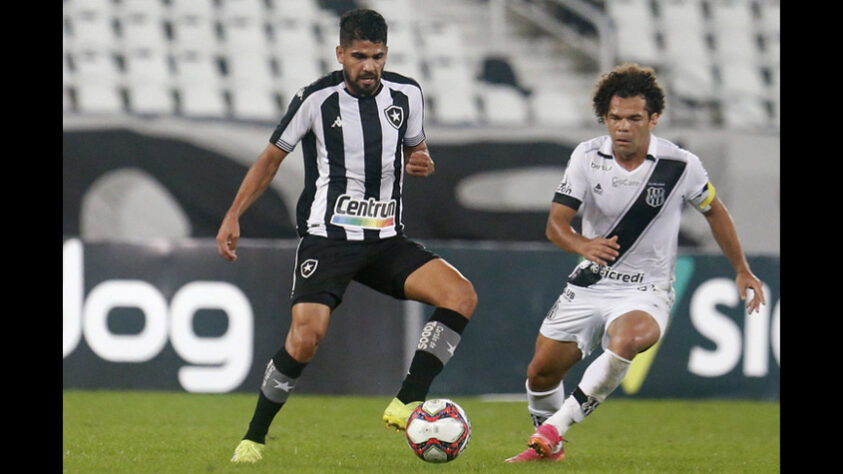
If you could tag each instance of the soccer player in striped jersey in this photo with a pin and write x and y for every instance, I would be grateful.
(631, 187)
(360, 129)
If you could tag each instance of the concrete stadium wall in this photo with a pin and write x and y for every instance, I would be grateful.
(127, 178)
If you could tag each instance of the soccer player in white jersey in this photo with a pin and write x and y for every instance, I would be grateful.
(360, 129)
(631, 187)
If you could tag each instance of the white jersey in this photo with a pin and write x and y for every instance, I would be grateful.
(353, 155)
(642, 207)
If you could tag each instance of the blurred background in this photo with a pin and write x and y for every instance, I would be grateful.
(166, 103)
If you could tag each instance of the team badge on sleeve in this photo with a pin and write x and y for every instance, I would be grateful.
(395, 115)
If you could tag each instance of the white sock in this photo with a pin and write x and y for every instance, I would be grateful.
(604, 375)
(542, 405)
(601, 377)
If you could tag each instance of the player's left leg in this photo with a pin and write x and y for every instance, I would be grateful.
(628, 335)
(439, 284)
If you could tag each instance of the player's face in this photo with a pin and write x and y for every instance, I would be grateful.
(630, 125)
(362, 64)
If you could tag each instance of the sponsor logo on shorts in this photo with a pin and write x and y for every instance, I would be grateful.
(308, 267)
(552, 311)
(568, 294)
(364, 214)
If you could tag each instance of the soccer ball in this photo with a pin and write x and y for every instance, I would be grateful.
(438, 430)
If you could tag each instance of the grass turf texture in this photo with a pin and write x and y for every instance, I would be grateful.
(163, 432)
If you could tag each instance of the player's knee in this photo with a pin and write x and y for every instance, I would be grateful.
(628, 345)
(541, 378)
(461, 298)
(303, 343)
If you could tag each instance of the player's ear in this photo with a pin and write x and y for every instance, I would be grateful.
(339, 54)
(654, 118)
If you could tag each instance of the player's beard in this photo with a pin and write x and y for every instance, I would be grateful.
(360, 89)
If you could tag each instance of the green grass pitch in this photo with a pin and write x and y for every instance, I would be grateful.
(164, 432)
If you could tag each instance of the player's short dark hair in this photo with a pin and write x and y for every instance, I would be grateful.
(625, 81)
(362, 25)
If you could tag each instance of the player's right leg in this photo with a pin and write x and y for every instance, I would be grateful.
(307, 328)
(566, 336)
(545, 394)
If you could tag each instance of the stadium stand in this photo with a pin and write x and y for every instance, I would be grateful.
(148, 81)
(243, 59)
(635, 27)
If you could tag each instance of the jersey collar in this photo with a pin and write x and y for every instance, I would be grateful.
(377, 92)
(605, 150)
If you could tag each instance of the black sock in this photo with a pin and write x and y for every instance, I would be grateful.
(424, 368)
(265, 412)
(266, 409)
(426, 365)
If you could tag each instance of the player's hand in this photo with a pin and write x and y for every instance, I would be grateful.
(420, 164)
(600, 250)
(747, 282)
(227, 238)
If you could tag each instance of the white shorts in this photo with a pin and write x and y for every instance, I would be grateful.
(582, 314)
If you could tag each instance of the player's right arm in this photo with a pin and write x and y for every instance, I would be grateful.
(560, 232)
(254, 184)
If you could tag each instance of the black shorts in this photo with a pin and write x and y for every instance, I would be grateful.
(325, 267)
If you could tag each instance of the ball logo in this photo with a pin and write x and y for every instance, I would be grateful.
(308, 267)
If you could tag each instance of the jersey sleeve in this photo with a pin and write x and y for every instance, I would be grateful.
(294, 125)
(572, 188)
(415, 122)
(700, 190)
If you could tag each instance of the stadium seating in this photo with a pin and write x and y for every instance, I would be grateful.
(503, 105)
(96, 81)
(237, 59)
(149, 82)
(635, 29)
(139, 29)
(199, 84)
(557, 107)
(710, 52)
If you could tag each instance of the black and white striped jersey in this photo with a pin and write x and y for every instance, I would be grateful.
(642, 207)
(353, 155)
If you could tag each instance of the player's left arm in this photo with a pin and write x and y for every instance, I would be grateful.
(723, 229)
(419, 162)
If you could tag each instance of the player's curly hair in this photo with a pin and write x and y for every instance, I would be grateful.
(628, 80)
(363, 25)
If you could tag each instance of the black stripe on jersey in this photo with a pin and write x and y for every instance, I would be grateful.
(401, 100)
(337, 181)
(311, 173)
(328, 80)
(637, 219)
(400, 79)
(632, 225)
(372, 151)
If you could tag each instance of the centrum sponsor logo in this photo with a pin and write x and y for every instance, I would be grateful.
(365, 214)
